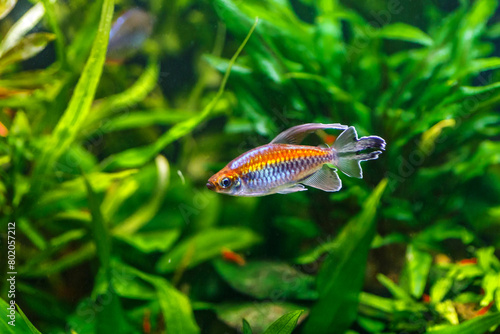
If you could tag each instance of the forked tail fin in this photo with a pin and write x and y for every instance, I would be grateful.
(351, 151)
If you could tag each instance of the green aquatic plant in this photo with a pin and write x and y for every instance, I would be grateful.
(103, 169)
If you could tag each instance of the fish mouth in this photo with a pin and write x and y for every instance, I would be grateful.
(210, 185)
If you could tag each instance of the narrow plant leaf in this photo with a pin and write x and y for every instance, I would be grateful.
(137, 289)
(478, 16)
(80, 46)
(396, 291)
(75, 189)
(174, 305)
(32, 233)
(473, 326)
(50, 13)
(116, 194)
(84, 253)
(18, 324)
(341, 276)
(260, 315)
(79, 106)
(418, 264)
(26, 320)
(138, 119)
(286, 324)
(176, 309)
(405, 32)
(146, 212)
(490, 285)
(99, 230)
(480, 65)
(206, 245)
(469, 91)
(6, 6)
(485, 155)
(28, 47)
(222, 65)
(137, 92)
(112, 317)
(382, 305)
(315, 253)
(152, 241)
(22, 26)
(246, 327)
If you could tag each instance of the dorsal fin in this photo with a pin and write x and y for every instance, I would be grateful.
(296, 134)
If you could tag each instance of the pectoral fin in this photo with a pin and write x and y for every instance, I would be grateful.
(292, 189)
(325, 179)
(296, 134)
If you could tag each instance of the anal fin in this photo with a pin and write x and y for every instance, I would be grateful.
(292, 189)
(350, 167)
(325, 179)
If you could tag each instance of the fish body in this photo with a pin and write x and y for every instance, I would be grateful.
(274, 167)
(283, 166)
(128, 33)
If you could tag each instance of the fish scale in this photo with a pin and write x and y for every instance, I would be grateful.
(276, 165)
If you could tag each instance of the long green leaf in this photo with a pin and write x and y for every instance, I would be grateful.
(99, 230)
(26, 48)
(75, 189)
(146, 212)
(418, 264)
(19, 324)
(473, 326)
(79, 106)
(405, 32)
(260, 314)
(151, 241)
(341, 276)
(56, 29)
(284, 325)
(136, 93)
(6, 6)
(22, 26)
(138, 119)
(246, 327)
(175, 306)
(28, 323)
(111, 317)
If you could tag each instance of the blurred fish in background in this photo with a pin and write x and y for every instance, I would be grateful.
(128, 34)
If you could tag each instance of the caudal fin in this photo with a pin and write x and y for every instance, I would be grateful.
(351, 151)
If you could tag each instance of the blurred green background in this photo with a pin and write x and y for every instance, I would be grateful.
(105, 153)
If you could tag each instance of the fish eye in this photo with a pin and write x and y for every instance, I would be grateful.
(225, 182)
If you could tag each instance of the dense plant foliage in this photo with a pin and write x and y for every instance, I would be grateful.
(103, 168)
